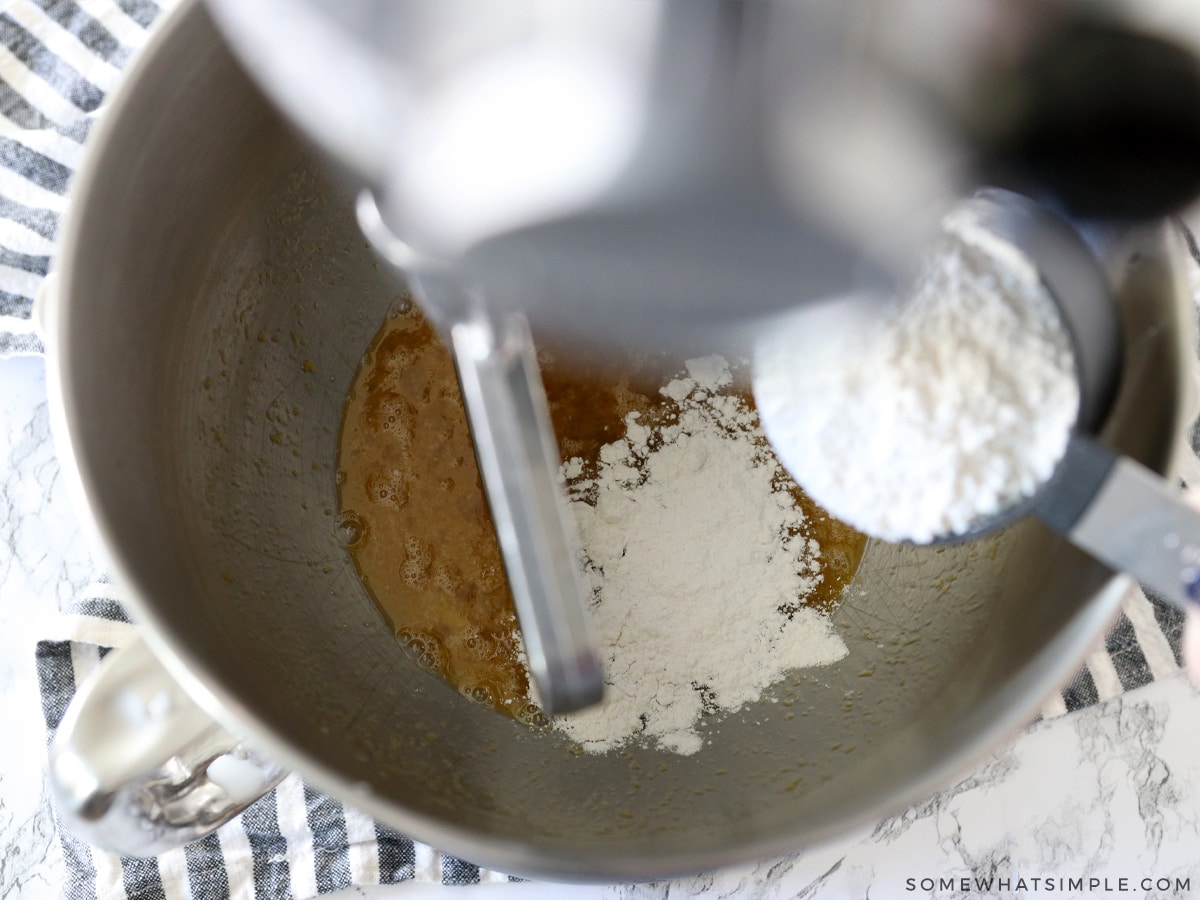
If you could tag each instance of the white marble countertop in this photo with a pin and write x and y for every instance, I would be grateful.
(1102, 802)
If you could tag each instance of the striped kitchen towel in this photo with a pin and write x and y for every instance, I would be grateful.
(1142, 647)
(58, 60)
(293, 843)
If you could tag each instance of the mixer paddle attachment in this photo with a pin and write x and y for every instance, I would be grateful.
(519, 465)
(519, 462)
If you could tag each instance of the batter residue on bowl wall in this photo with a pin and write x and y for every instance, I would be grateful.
(712, 574)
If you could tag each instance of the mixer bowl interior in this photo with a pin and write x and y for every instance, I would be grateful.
(216, 300)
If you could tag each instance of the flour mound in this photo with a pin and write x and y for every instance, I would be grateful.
(694, 546)
(952, 410)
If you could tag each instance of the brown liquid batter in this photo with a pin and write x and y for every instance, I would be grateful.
(415, 520)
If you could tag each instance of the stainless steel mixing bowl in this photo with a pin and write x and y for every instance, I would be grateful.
(215, 297)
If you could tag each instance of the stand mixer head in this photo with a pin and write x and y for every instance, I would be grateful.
(687, 171)
(735, 158)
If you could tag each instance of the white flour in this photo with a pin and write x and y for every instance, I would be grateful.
(952, 410)
(692, 547)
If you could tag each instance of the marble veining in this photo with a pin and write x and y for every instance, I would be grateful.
(43, 558)
(27, 842)
(1106, 793)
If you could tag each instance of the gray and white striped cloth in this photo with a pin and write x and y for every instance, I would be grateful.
(58, 60)
(293, 843)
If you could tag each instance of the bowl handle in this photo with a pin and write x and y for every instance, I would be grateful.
(138, 768)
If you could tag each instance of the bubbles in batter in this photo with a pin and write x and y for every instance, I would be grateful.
(416, 523)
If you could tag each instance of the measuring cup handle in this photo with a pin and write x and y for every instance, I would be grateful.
(1134, 521)
(138, 768)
